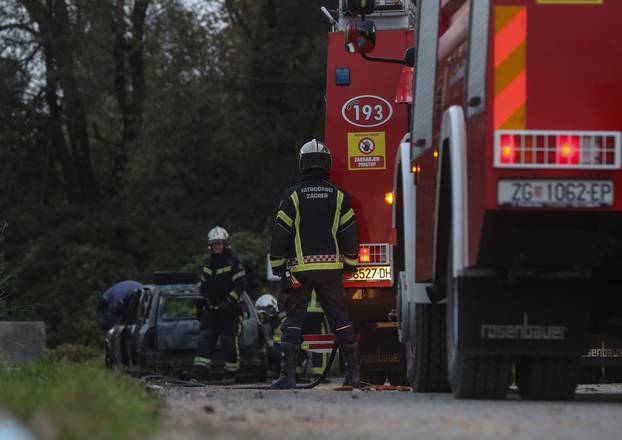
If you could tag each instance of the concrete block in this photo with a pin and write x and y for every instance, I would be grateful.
(21, 342)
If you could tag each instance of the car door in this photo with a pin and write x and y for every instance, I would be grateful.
(129, 320)
(250, 324)
(133, 329)
(177, 324)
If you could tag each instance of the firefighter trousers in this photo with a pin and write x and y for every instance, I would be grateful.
(224, 322)
(331, 296)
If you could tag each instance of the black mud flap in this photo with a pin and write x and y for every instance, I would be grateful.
(531, 317)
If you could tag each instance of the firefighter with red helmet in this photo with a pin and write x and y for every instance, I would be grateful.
(315, 242)
(222, 286)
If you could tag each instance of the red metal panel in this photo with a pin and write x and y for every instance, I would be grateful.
(574, 66)
(366, 187)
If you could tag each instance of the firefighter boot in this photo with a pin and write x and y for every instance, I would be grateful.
(228, 378)
(202, 367)
(288, 367)
(353, 369)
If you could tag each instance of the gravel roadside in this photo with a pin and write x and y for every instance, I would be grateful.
(229, 413)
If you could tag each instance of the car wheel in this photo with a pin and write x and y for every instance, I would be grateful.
(108, 361)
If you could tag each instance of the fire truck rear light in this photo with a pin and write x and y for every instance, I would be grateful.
(568, 150)
(374, 254)
(596, 150)
(507, 149)
(388, 198)
(363, 254)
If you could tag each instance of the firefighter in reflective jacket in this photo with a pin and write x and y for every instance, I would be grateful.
(315, 242)
(222, 286)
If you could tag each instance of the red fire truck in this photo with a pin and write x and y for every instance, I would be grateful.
(364, 127)
(508, 226)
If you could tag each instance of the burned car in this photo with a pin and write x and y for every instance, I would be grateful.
(158, 332)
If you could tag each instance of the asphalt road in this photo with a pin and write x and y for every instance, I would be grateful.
(323, 413)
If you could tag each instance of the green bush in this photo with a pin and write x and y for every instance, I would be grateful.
(71, 401)
(74, 353)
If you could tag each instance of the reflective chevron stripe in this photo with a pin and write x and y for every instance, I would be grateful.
(510, 58)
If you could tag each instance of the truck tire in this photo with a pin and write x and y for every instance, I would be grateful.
(613, 374)
(404, 318)
(472, 376)
(590, 375)
(547, 377)
(426, 357)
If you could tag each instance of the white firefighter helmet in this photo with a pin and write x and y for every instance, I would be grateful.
(314, 154)
(267, 303)
(217, 235)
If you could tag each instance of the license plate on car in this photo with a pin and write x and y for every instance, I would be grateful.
(556, 193)
(372, 273)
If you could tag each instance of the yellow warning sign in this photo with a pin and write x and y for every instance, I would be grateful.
(367, 151)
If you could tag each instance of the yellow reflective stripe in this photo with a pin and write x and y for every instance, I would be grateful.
(336, 221)
(286, 218)
(297, 240)
(234, 294)
(238, 275)
(350, 261)
(277, 263)
(277, 338)
(223, 270)
(207, 270)
(316, 266)
(347, 216)
(232, 366)
(203, 361)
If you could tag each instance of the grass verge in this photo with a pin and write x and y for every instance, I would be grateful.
(65, 400)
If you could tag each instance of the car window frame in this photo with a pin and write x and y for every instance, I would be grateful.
(161, 302)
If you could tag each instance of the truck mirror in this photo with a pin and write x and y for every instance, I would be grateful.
(360, 7)
(360, 36)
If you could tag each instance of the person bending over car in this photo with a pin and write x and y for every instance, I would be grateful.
(222, 286)
(109, 306)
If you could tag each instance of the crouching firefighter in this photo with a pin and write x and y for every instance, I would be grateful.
(222, 287)
(314, 245)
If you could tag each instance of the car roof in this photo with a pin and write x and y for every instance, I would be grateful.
(175, 289)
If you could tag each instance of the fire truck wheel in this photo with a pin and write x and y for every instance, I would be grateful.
(547, 377)
(472, 376)
(613, 374)
(426, 357)
(404, 319)
(591, 374)
(373, 377)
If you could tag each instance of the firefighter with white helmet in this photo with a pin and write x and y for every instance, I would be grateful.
(315, 242)
(271, 320)
(222, 286)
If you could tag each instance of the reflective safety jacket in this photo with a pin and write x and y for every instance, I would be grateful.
(223, 278)
(314, 230)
